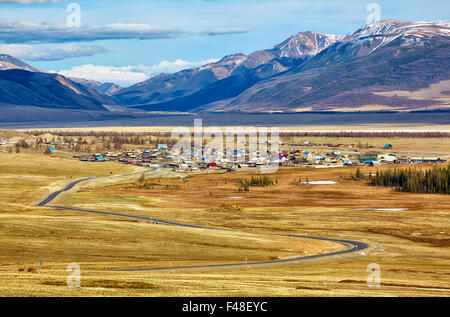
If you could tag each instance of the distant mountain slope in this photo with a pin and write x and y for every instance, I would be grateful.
(378, 67)
(21, 87)
(387, 65)
(168, 86)
(225, 79)
(357, 72)
(8, 62)
(107, 89)
(224, 89)
(24, 85)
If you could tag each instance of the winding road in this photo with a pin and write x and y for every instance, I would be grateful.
(354, 246)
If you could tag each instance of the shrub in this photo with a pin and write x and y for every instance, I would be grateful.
(257, 182)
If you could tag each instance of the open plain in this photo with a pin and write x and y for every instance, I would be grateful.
(407, 233)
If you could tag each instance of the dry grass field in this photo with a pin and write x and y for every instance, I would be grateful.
(26, 178)
(408, 233)
(401, 145)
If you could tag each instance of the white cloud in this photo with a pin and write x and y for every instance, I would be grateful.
(120, 75)
(223, 31)
(129, 75)
(50, 53)
(172, 67)
(12, 31)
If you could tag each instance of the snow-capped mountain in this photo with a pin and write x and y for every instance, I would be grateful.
(305, 44)
(9, 62)
(387, 65)
(248, 69)
(378, 67)
(391, 29)
(382, 33)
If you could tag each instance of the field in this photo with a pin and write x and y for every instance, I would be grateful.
(408, 233)
(428, 146)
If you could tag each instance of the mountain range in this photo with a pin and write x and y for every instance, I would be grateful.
(24, 85)
(387, 65)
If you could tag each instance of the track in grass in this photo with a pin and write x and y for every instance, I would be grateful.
(355, 246)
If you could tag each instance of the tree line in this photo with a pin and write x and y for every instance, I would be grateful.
(362, 134)
(429, 181)
(70, 133)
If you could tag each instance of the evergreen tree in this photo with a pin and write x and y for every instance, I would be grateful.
(431, 181)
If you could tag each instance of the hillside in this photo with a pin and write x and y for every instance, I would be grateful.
(107, 89)
(24, 85)
(21, 87)
(224, 79)
(388, 65)
(8, 62)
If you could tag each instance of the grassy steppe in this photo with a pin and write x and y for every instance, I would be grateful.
(410, 245)
(26, 178)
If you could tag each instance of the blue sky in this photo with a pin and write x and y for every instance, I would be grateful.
(128, 41)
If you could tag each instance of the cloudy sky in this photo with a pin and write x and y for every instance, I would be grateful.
(129, 41)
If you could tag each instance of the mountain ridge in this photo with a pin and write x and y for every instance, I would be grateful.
(163, 88)
(351, 72)
(384, 66)
(8, 62)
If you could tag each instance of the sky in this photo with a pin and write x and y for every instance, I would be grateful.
(129, 41)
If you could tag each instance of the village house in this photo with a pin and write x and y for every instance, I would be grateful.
(387, 158)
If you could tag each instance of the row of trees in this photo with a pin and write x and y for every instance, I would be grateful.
(382, 134)
(430, 181)
(155, 134)
(98, 134)
(84, 141)
(110, 140)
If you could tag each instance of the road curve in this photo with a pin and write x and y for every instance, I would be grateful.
(52, 196)
(355, 246)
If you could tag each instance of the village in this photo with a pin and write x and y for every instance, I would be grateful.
(306, 155)
(243, 155)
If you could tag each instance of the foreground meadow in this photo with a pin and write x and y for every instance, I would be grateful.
(408, 233)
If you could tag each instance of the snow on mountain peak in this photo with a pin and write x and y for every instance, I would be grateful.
(306, 43)
(383, 32)
(394, 28)
(8, 62)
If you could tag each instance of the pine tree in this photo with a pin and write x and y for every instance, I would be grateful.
(431, 181)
